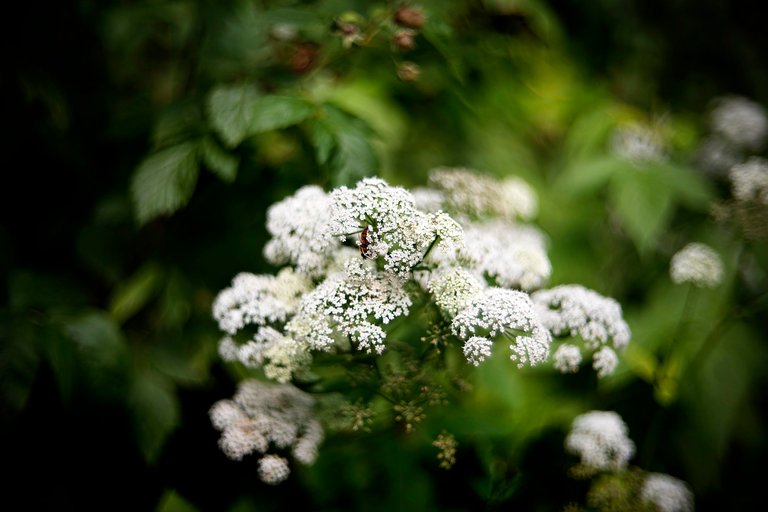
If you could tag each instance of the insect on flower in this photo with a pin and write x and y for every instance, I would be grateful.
(363, 243)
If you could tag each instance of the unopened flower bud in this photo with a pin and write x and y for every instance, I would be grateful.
(409, 17)
(408, 71)
(403, 39)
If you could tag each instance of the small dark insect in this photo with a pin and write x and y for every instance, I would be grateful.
(363, 243)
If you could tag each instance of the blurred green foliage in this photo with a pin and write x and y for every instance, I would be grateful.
(114, 239)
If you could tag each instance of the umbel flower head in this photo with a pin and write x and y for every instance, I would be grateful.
(742, 122)
(263, 417)
(666, 493)
(395, 229)
(344, 305)
(600, 439)
(575, 311)
(698, 264)
(299, 225)
(497, 312)
(749, 180)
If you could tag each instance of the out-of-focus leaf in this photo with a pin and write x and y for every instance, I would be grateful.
(222, 163)
(174, 301)
(725, 378)
(323, 141)
(173, 502)
(644, 206)
(164, 181)
(587, 176)
(97, 337)
(274, 112)
(353, 157)
(18, 362)
(155, 409)
(588, 135)
(690, 187)
(28, 289)
(132, 295)
(176, 125)
(230, 110)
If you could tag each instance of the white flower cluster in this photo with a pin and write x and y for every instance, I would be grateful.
(264, 416)
(667, 493)
(638, 143)
(498, 311)
(600, 439)
(345, 303)
(465, 192)
(740, 121)
(749, 180)
(698, 264)
(394, 228)
(298, 225)
(258, 299)
(572, 310)
(452, 288)
(263, 301)
(512, 255)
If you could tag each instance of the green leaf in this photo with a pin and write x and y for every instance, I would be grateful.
(34, 289)
(132, 295)
(643, 205)
(587, 176)
(230, 110)
(175, 305)
(164, 181)
(222, 163)
(323, 140)
(175, 125)
(353, 157)
(690, 187)
(97, 338)
(275, 112)
(173, 502)
(155, 411)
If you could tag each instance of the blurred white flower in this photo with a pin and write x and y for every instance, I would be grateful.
(428, 199)
(497, 311)
(567, 358)
(514, 256)
(638, 143)
(261, 416)
(299, 226)
(572, 310)
(741, 121)
(600, 439)
(667, 493)
(716, 155)
(605, 361)
(465, 192)
(698, 264)
(749, 180)
(273, 469)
